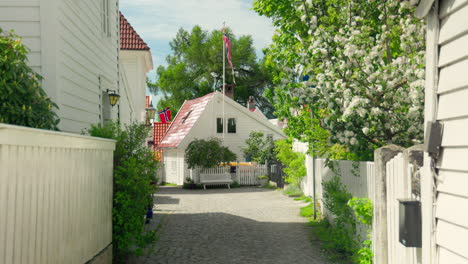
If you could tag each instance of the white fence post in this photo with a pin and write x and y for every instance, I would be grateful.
(379, 223)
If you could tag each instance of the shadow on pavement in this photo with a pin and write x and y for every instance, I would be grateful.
(225, 238)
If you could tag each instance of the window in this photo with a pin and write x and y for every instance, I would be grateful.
(105, 17)
(219, 125)
(231, 125)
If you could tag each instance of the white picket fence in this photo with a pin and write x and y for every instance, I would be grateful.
(362, 179)
(55, 196)
(245, 174)
(399, 186)
(248, 175)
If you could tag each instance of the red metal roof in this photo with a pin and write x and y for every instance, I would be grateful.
(184, 121)
(129, 38)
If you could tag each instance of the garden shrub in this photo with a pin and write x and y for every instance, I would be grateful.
(295, 162)
(363, 210)
(134, 174)
(23, 102)
(207, 153)
(335, 199)
(260, 148)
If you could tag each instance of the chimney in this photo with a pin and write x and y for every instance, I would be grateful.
(229, 91)
(251, 104)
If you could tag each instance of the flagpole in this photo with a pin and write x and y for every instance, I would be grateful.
(224, 76)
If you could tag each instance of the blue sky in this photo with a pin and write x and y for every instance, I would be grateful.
(157, 21)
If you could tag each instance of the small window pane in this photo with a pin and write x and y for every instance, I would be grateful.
(231, 125)
(219, 125)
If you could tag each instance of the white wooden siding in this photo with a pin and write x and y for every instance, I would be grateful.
(86, 54)
(175, 167)
(23, 16)
(55, 196)
(452, 89)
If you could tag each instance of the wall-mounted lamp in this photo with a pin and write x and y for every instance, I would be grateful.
(113, 97)
(150, 112)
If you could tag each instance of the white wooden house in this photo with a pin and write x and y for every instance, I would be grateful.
(135, 62)
(445, 201)
(203, 118)
(75, 46)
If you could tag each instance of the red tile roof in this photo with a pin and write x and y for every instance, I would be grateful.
(147, 101)
(159, 129)
(129, 38)
(184, 121)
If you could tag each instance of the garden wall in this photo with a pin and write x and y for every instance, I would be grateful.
(55, 197)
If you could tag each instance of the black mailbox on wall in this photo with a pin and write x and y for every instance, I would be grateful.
(410, 223)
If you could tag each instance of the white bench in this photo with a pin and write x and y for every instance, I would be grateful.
(212, 179)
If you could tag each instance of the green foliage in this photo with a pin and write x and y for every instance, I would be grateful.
(195, 68)
(303, 198)
(134, 174)
(363, 210)
(207, 153)
(308, 211)
(262, 177)
(295, 162)
(23, 102)
(235, 184)
(335, 199)
(260, 148)
(365, 60)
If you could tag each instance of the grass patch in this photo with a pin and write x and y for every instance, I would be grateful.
(321, 231)
(303, 198)
(307, 211)
(293, 190)
(168, 184)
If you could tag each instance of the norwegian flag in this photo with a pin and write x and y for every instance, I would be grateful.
(165, 115)
(227, 43)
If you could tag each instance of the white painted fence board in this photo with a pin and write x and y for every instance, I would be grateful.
(453, 182)
(454, 51)
(454, 25)
(450, 78)
(453, 105)
(452, 237)
(447, 7)
(43, 218)
(453, 159)
(446, 256)
(453, 209)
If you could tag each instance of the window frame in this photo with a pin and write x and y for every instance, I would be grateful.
(217, 125)
(229, 125)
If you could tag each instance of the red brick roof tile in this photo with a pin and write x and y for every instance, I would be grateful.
(129, 38)
(159, 129)
(184, 121)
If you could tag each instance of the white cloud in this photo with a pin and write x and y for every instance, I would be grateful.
(159, 20)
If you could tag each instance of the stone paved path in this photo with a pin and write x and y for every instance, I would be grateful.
(243, 225)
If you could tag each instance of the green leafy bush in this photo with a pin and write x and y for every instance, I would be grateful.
(364, 211)
(260, 148)
(335, 199)
(23, 102)
(134, 174)
(207, 153)
(295, 162)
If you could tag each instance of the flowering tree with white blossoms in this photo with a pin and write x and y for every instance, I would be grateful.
(365, 59)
